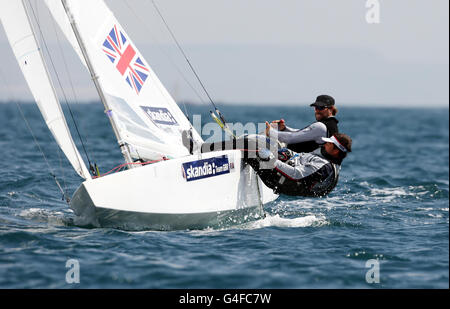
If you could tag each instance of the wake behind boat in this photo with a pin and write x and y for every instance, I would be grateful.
(178, 190)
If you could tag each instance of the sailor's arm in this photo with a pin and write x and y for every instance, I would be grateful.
(302, 168)
(289, 129)
(280, 125)
(314, 132)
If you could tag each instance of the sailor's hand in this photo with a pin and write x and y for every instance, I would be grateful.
(267, 128)
(264, 154)
(280, 123)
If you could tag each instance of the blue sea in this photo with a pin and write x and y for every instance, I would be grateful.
(385, 226)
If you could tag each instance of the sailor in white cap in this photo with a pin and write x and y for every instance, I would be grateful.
(305, 174)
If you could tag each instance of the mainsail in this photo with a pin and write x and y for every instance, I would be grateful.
(21, 36)
(142, 111)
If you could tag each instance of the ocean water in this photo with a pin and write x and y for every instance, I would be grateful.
(386, 225)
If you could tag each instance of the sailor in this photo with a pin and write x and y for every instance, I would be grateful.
(309, 138)
(288, 172)
(304, 174)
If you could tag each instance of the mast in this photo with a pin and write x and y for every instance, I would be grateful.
(95, 78)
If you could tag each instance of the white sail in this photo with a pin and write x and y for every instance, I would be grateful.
(19, 31)
(144, 113)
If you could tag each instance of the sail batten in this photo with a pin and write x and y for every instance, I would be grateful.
(21, 36)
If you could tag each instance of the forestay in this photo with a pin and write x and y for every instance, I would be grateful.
(22, 39)
(146, 116)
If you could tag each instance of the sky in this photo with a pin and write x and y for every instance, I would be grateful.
(274, 52)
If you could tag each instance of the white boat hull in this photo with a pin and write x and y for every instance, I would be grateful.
(161, 196)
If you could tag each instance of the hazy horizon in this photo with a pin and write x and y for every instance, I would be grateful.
(267, 53)
(269, 104)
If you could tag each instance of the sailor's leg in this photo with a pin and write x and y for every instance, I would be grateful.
(188, 142)
(249, 147)
(270, 178)
(218, 146)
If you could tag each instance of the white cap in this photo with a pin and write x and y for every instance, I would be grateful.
(336, 142)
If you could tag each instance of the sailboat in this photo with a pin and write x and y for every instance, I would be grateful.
(179, 190)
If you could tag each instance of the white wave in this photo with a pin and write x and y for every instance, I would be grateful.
(387, 195)
(268, 221)
(425, 208)
(277, 221)
(392, 192)
(327, 203)
(44, 215)
(365, 183)
(398, 191)
(434, 215)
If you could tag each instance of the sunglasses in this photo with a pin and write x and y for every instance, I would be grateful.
(320, 108)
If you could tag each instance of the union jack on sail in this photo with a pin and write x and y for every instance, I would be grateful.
(125, 58)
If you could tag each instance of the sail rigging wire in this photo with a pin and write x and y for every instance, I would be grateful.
(224, 125)
(183, 53)
(36, 142)
(62, 89)
(52, 172)
(168, 57)
(221, 122)
(59, 149)
(71, 84)
(121, 166)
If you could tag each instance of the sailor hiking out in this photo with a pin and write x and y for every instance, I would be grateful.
(288, 172)
(304, 174)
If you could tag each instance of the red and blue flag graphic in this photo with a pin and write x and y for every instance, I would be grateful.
(125, 58)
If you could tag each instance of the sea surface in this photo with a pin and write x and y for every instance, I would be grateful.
(386, 225)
